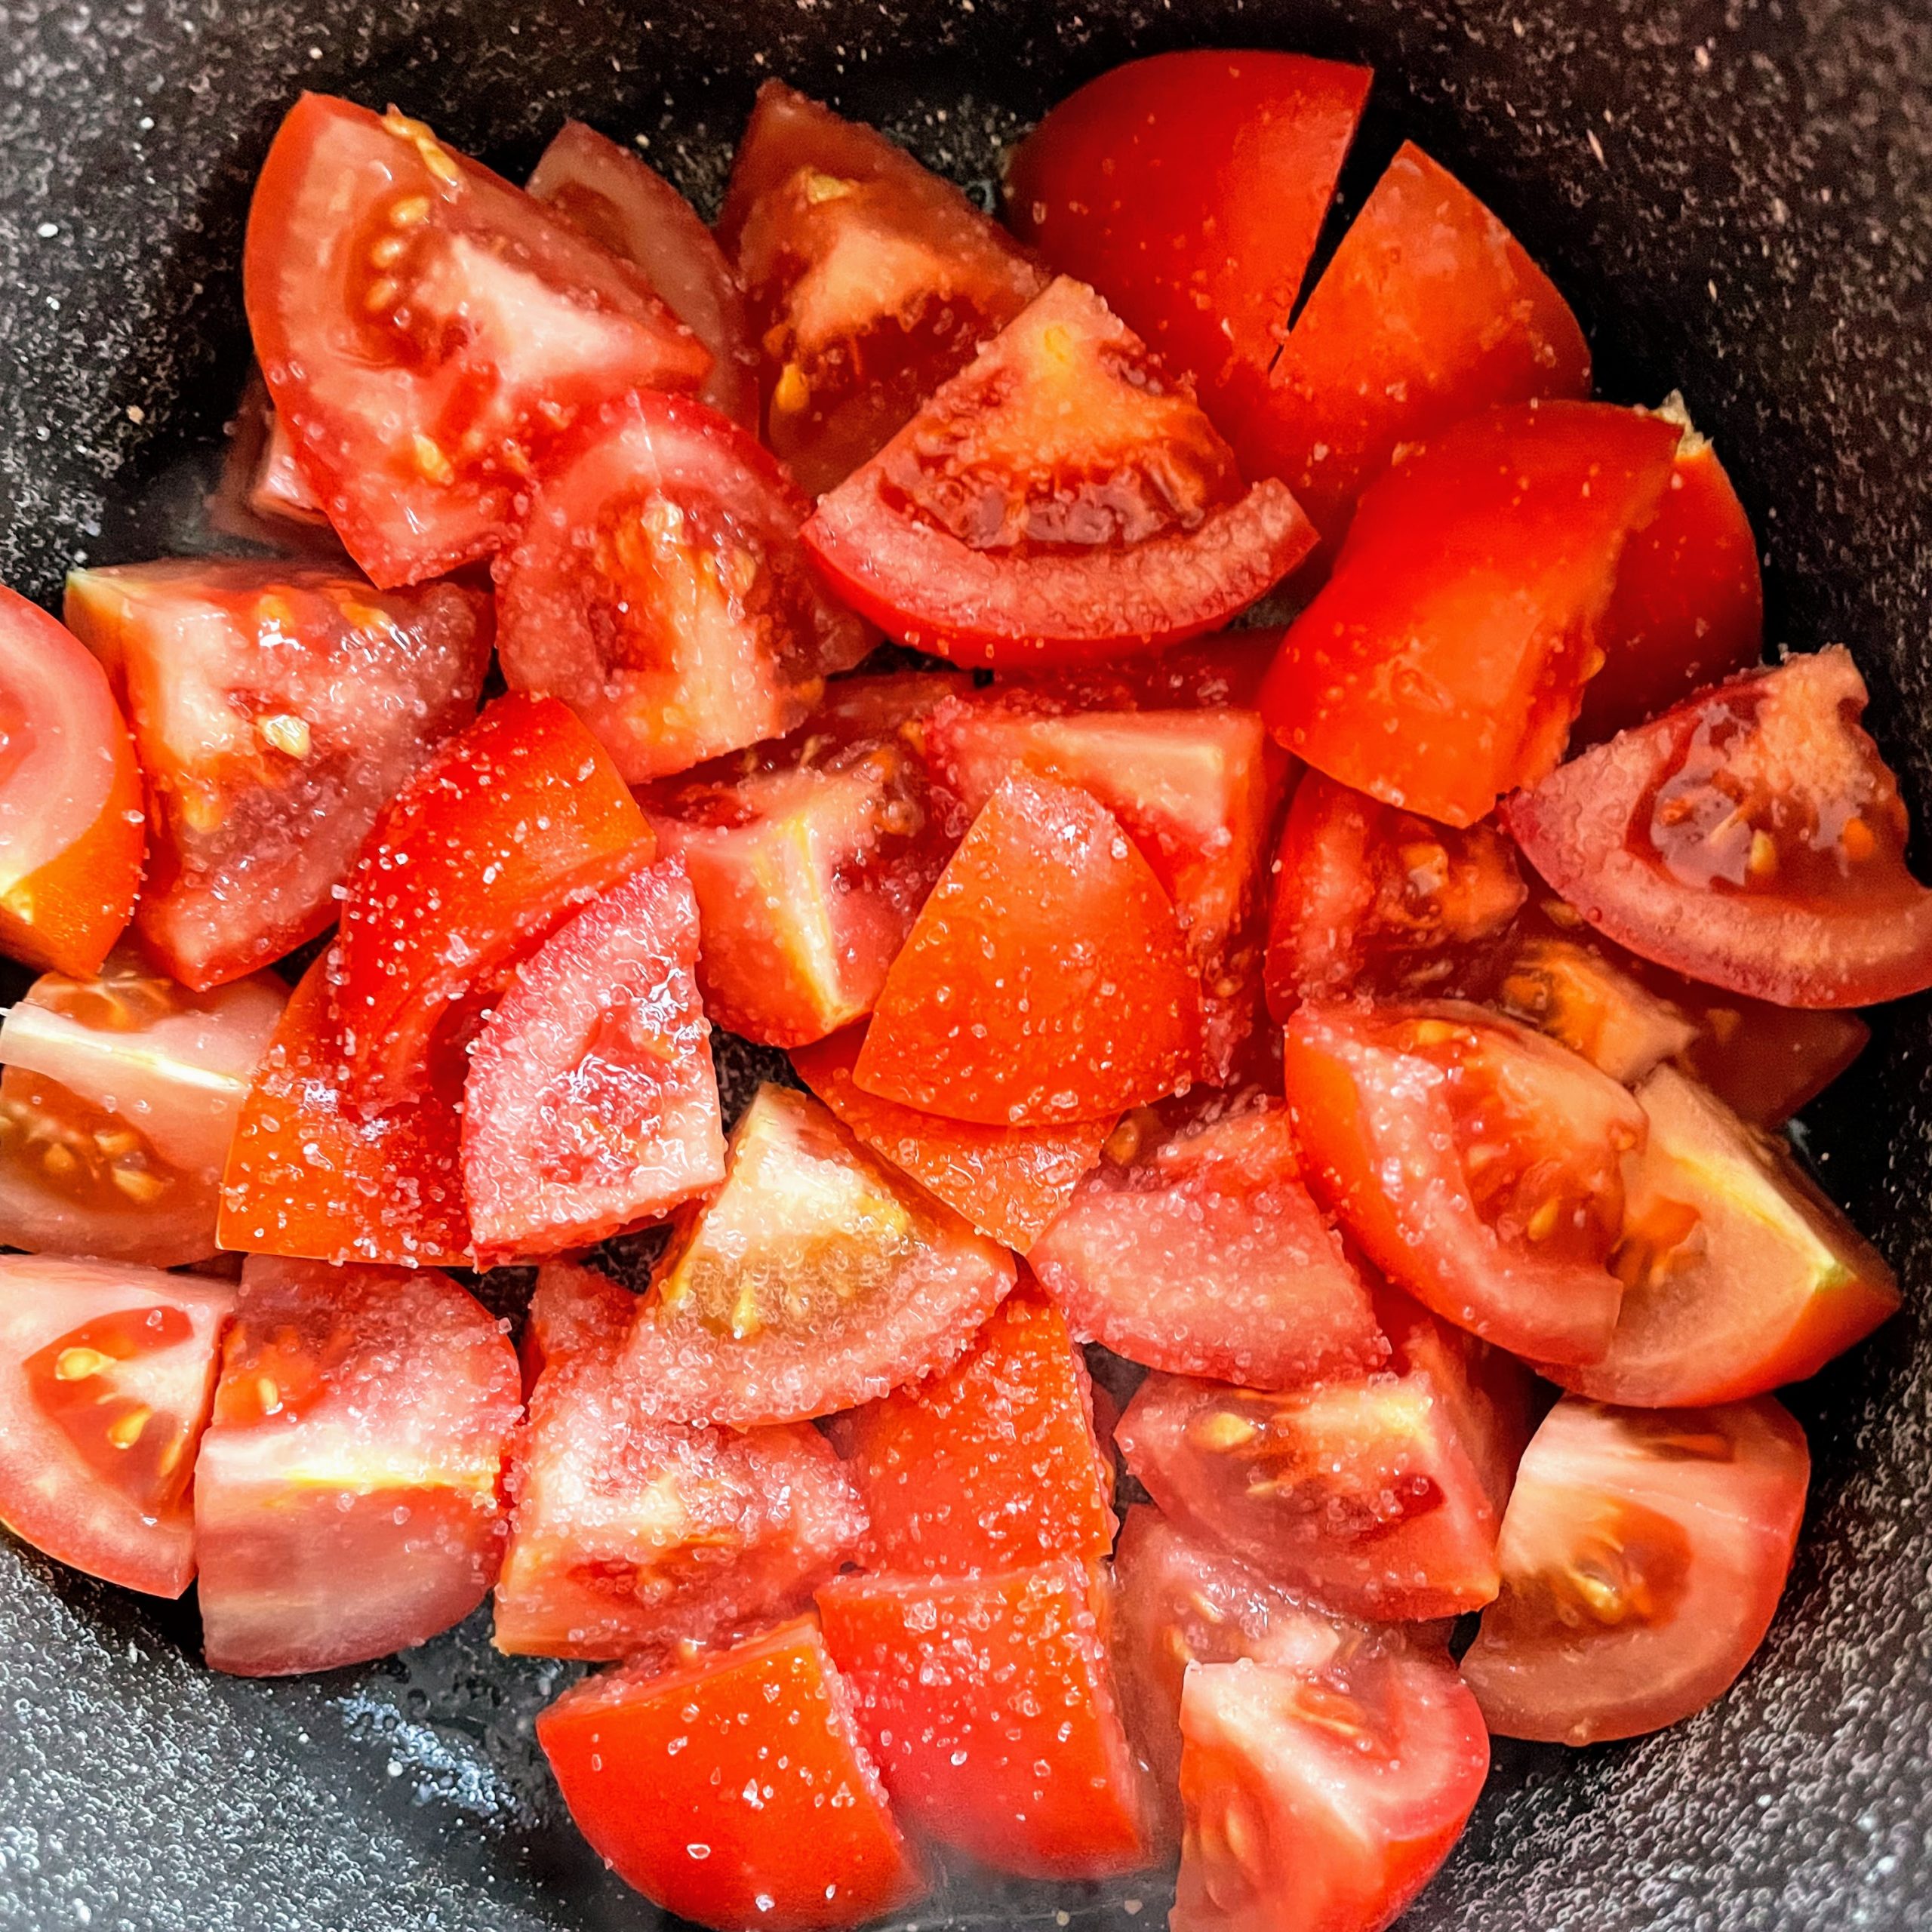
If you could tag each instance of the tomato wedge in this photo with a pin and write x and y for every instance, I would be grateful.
(347, 1499)
(1045, 980)
(512, 827)
(625, 206)
(1196, 1248)
(816, 1277)
(107, 1372)
(869, 279)
(735, 1790)
(119, 1098)
(993, 1464)
(1059, 498)
(1429, 312)
(1226, 670)
(1442, 664)
(427, 331)
(276, 711)
(989, 1703)
(1477, 1163)
(71, 837)
(656, 584)
(591, 1103)
(1643, 1555)
(1752, 838)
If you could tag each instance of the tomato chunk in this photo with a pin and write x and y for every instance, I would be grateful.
(735, 1790)
(1195, 1248)
(1060, 498)
(591, 1102)
(1045, 980)
(71, 837)
(1442, 664)
(347, 1499)
(815, 1278)
(1643, 1555)
(993, 1464)
(276, 711)
(516, 823)
(1477, 1163)
(628, 1535)
(1430, 311)
(869, 280)
(107, 1372)
(989, 1703)
(1752, 838)
(427, 331)
(119, 1097)
(1225, 670)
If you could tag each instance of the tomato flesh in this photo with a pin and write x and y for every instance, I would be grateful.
(276, 711)
(1643, 1555)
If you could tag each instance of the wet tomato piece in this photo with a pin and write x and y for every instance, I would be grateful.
(1643, 1555)
(1478, 1164)
(1046, 980)
(1060, 499)
(816, 1277)
(656, 584)
(262, 494)
(276, 711)
(989, 1703)
(346, 1498)
(1753, 837)
(1226, 670)
(71, 837)
(107, 1372)
(427, 332)
(734, 1790)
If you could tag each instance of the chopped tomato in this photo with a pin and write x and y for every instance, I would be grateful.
(1190, 189)
(628, 1535)
(1225, 670)
(482, 855)
(816, 1277)
(1045, 980)
(1368, 896)
(1690, 604)
(107, 1371)
(869, 280)
(70, 798)
(734, 1791)
(347, 1498)
(989, 1703)
(1060, 499)
(1195, 1248)
(1752, 838)
(1643, 1555)
(1478, 1164)
(427, 331)
(1739, 1274)
(625, 205)
(572, 1310)
(1009, 1182)
(993, 1464)
(1442, 664)
(311, 1174)
(276, 711)
(262, 494)
(591, 1102)
(1765, 1062)
(656, 583)
(119, 1097)
(1430, 312)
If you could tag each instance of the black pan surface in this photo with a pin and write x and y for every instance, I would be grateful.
(1737, 196)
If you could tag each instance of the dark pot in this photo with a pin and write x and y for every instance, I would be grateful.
(1737, 196)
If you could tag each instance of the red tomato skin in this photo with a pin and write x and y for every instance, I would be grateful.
(989, 1703)
(820, 1843)
(1226, 670)
(110, 1313)
(66, 890)
(1442, 664)
(347, 1497)
(1430, 311)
